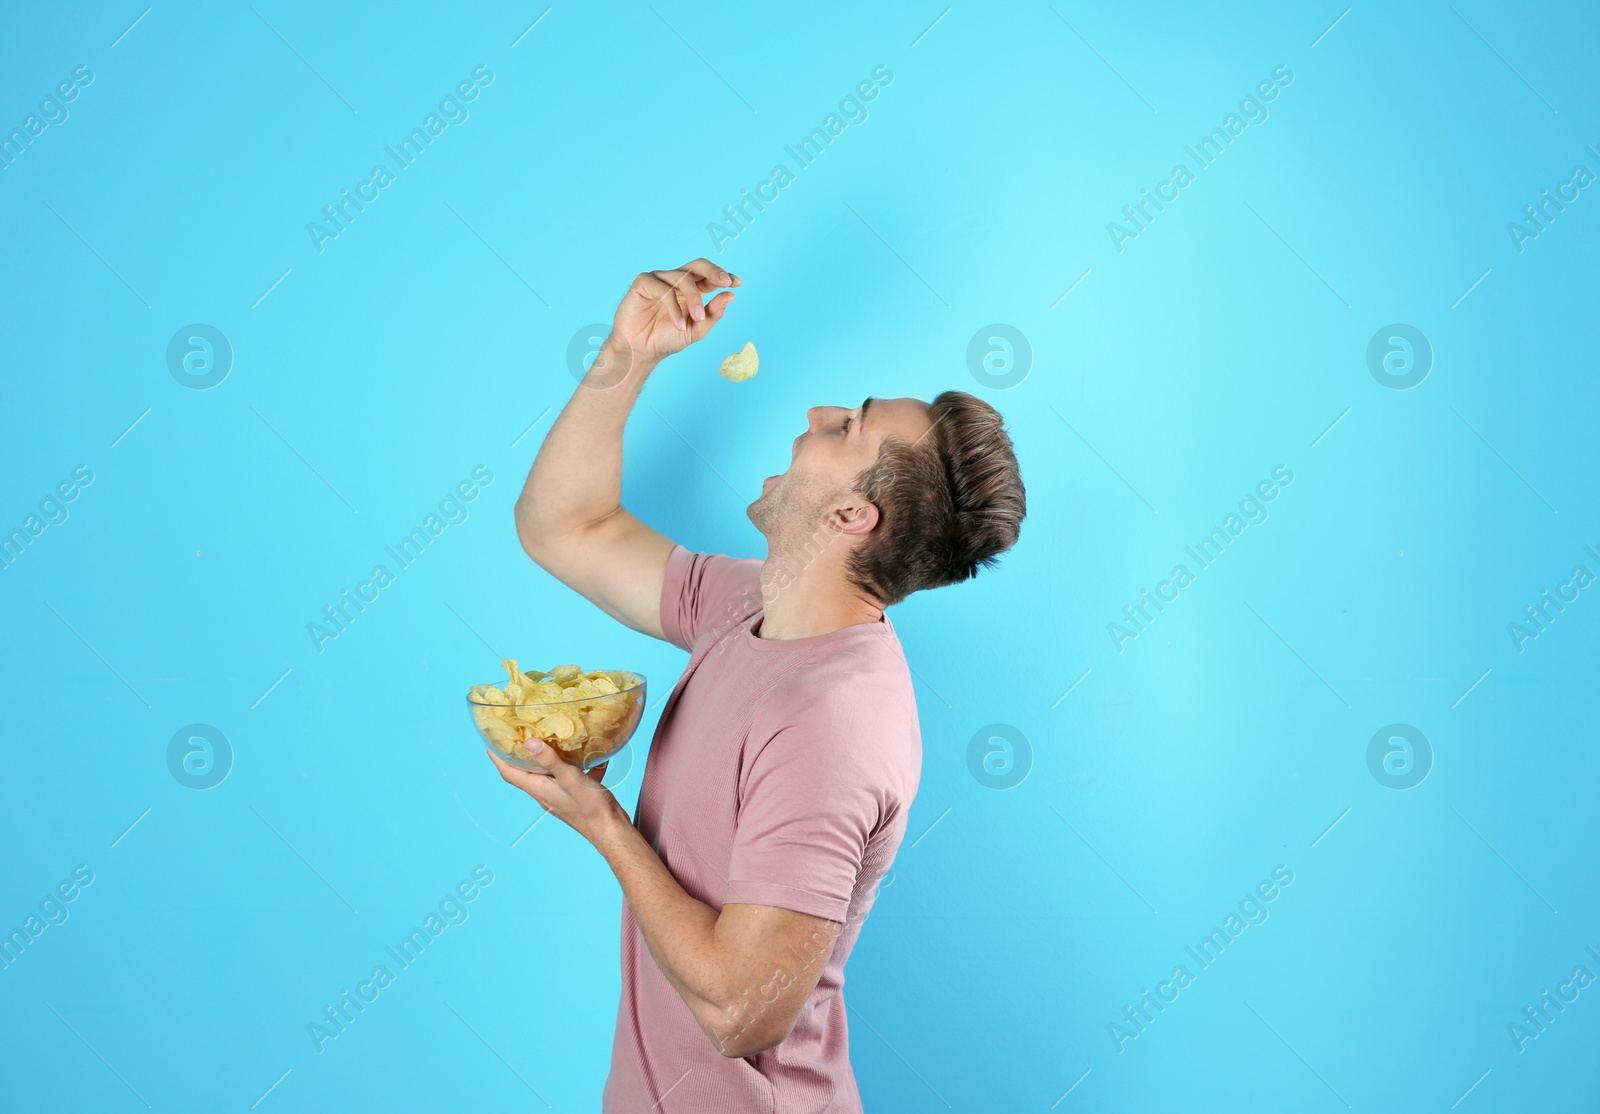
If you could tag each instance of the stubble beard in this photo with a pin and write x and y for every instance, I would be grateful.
(789, 515)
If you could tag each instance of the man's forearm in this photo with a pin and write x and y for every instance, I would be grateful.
(680, 931)
(576, 478)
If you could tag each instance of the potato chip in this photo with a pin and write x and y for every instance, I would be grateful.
(488, 694)
(497, 731)
(578, 713)
(742, 364)
(560, 725)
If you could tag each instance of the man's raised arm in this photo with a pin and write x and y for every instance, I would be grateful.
(570, 517)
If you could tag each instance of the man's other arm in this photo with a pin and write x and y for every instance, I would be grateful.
(745, 970)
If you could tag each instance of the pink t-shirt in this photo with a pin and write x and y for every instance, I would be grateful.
(781, 773)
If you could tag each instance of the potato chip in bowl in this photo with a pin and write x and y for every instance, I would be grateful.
(585, 717)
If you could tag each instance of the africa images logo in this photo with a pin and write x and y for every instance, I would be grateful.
(453, 510)
(453, 112)
(1253, 508)
(852, 111)
(1252, 910)
(1253, 111)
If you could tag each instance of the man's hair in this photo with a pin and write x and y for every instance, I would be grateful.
(948, 504)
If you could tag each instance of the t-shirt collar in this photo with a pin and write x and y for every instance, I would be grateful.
(855, 630)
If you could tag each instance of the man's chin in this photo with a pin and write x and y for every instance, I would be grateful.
(759, 511)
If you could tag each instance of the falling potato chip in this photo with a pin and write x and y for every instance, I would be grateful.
(742, 364)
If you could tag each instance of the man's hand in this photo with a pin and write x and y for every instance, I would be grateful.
(575, 798)
(662, 312)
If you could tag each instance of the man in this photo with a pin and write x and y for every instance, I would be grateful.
(787, 757)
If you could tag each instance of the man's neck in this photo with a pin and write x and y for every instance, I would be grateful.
(816, 602)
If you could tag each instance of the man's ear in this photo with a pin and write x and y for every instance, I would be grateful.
(853, 518)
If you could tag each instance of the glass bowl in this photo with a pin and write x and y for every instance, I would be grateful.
(583, 731)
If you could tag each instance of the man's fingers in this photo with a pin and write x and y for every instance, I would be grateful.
(544, 755)
(679, 293)
(710, 275)
(714, 311)
(685, 285)
(566, 776)
(671, 297)
(530, 783)
(514, 774)
(653, 289)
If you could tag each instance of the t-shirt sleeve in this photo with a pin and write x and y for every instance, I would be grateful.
(811, 802)
(703, 590)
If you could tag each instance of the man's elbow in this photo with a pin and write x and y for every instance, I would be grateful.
(528, 532)
(741, 1046)
(549, 539)
(754, 1039)
(538, 537)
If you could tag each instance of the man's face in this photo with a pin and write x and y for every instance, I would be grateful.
(837, 445)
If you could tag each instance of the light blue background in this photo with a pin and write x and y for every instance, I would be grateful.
(1017, 925)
